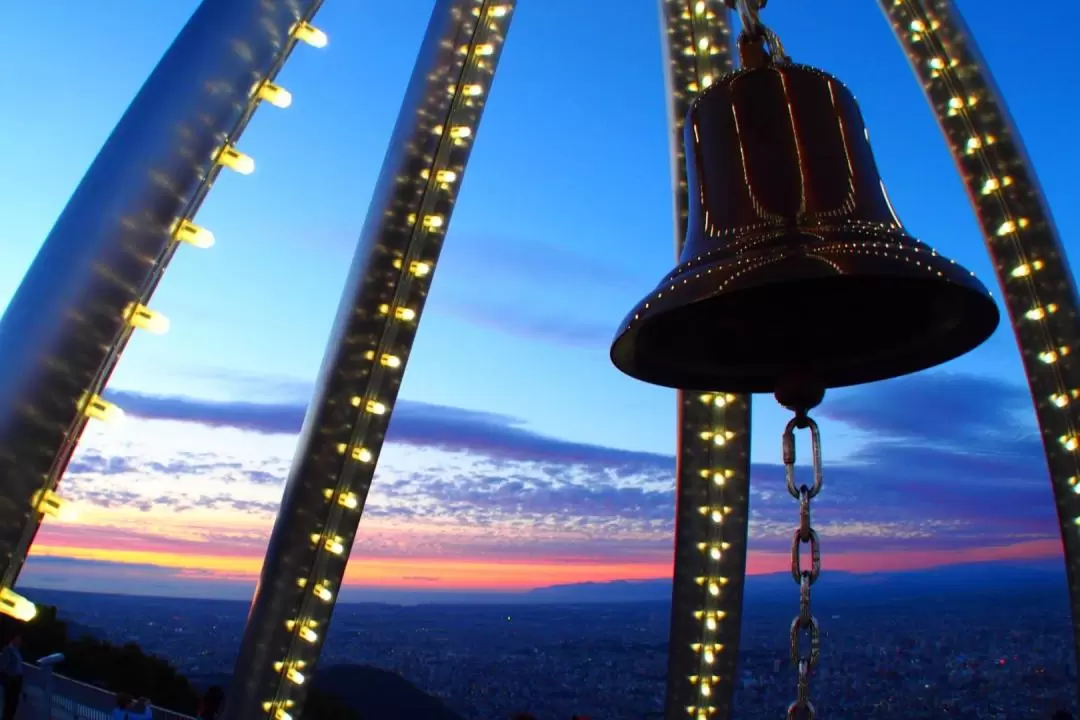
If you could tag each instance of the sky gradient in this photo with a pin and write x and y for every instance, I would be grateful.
(518, 457)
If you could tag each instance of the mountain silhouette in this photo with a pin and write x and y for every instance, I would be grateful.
(943, 579)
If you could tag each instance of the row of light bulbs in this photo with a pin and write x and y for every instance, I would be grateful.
(706, 52)
(712, 547)
(306, 628)
(992, 187)
(47, 502)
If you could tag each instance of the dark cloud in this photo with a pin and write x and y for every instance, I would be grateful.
(947, 461)
(414, 423)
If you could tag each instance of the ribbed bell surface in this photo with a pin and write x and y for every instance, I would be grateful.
(795, 263)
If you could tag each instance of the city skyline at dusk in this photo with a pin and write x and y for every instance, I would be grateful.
(517, 456)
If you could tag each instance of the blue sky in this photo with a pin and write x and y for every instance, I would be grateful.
(565, 217)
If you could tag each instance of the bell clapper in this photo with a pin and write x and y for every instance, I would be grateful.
(801, 396)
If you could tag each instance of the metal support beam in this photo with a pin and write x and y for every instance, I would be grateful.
(89, 286)
(1023, 243)
(713, 465)
(366, 357)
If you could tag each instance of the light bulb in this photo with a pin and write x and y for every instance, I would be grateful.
(141, 317)
(15, 605)
(190, 233)
(235, 160)
(305, 32)
(274, 94)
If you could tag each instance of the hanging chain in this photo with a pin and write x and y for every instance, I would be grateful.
(804, 624)
(754, 32)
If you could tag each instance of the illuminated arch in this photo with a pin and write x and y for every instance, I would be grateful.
(90, 287)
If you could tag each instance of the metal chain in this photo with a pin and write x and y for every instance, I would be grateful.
(755, 30)
(804, 624)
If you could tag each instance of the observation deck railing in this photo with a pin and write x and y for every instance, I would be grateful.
(70, 699)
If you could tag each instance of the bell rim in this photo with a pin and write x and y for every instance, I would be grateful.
(980, 318)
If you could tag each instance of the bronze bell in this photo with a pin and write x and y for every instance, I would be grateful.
(795, 263)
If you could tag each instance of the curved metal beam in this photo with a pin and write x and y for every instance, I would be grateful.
(1028, 257)
(87, 289)
(713, 464)
(366, 357)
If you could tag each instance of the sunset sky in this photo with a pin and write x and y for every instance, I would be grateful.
(518, 456)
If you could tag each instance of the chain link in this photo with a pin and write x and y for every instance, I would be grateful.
(804, 624)
(754, 31)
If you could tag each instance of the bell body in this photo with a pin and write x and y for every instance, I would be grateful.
(795, 264)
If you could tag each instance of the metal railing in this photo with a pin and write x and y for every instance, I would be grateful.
(49, 696)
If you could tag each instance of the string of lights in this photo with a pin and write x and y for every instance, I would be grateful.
(56, 385)
(713, 464)
(366, 357)
(1020, 235)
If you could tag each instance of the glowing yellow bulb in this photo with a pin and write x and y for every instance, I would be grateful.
(1026, 269)
(282, 714)
(420, 269)
(446, 176)
(498, 11)
(48, 502)
(141, 317)
(190, 233)
(460, 132)
(473, 90)
(485, 49)
(405, 314)
(99, 409)
(274, 94)
(334, 546)
(323, 593)
(16, 606)
(433, 222)
(308, 634)
(1038, 313)
(348, 501)
(295, 676)
(994, 184)
(390, 361)
(1069, 442)
(305, 32)
(375, 407)
(235, 160)
(710, 623)
(362, 455)
(699, 8)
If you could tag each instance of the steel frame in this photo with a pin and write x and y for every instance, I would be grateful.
(91, 283)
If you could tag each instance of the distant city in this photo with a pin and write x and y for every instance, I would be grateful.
(978, 641)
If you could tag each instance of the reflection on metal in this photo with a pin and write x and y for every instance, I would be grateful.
(705, 627)
(1032, 270)
(794, 260)
(366, 357)
(86, 291)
